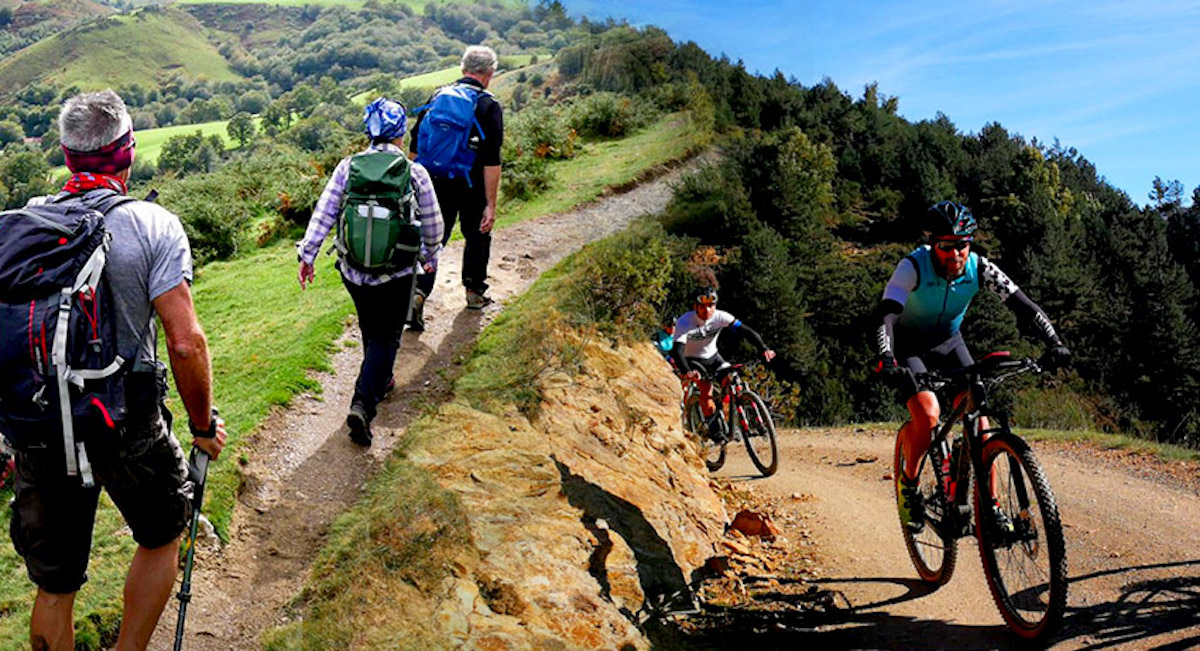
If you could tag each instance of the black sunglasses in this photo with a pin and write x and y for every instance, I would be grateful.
(953, 245)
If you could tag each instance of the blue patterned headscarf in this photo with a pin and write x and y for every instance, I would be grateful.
(384, 119)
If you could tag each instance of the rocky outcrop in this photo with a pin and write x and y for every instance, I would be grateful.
(584, 517)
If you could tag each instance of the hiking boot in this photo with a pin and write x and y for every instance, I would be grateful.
(477, 300)
(360, 429)
(910, 505)
(416, 319)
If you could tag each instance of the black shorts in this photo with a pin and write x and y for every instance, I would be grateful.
(145, 473)
(708, 367)
(948, 355)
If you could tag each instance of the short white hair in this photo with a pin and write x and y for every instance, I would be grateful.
(479, 60)
(88, 121)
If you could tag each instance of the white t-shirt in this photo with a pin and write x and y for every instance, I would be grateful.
(699, 338)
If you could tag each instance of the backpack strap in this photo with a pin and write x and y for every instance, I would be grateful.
(88, 278)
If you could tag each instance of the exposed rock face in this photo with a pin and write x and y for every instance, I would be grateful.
(581, 517)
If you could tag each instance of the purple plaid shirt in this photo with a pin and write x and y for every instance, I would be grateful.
(329, 208)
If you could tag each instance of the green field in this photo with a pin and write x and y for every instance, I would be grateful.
(152, 44)
(445, 76)
(151, 141)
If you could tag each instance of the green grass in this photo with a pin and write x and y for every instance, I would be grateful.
(150, 142)
(265, 335)
(445, 76)
(601, 165)
(126, 49)
(1162, 451)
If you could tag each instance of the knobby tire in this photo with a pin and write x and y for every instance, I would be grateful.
(1026, 568)
(758, 433)
(932, 549)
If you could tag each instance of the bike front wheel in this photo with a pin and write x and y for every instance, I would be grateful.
(758, 431)
(694, 422)
(931, 545)
(1020, 538)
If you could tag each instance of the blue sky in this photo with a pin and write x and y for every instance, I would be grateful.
(1119, 81)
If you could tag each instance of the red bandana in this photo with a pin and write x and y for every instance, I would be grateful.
(109, 159)
(86, 181)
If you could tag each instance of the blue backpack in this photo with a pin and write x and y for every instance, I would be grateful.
(444, 144)
(63, 373)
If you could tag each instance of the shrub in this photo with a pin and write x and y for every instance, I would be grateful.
(608, 115)
(525, 177)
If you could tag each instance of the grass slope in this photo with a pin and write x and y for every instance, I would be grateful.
(265, 335)
(119, 50)
(431, 80)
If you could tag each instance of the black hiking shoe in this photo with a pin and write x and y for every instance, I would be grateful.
(911, 505)
(360, 429)
(416, 319)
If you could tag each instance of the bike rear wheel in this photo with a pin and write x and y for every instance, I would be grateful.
(931, 547)
(758, 431)
(694, 422)
(1023, 551)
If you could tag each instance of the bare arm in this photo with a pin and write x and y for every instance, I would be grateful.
(491, 187)
(187, 348)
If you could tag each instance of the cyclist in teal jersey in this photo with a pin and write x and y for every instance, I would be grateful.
(919, 319)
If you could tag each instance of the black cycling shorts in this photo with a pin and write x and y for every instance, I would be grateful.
(948, 355)
(145, 473)
(709, 366)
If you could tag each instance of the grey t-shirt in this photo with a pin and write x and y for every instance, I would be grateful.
(148, 256)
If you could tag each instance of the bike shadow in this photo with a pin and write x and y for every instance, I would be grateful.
(1146, 608)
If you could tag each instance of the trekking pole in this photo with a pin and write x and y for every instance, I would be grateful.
(198, 469)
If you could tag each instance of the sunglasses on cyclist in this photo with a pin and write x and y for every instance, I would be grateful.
(706, 300)
(952, 245)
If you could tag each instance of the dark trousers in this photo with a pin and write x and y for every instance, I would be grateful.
(465, 205)
(382, 310)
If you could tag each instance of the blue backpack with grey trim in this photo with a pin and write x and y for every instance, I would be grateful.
(444, 140)
(63, 373)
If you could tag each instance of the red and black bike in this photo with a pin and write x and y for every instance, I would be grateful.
(985, 481)
(741, 414)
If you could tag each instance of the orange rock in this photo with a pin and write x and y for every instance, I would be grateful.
(754, 524)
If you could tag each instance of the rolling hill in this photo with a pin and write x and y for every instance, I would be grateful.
(154, 41)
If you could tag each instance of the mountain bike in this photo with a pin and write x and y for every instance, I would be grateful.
(1015, 518)
(741, 413)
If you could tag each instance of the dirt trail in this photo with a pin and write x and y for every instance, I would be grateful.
(1130, 529)
(303, 469)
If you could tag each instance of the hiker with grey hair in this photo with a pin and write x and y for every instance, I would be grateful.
(124, 442)
(461, 150)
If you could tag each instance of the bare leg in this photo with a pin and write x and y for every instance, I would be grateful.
(707, 404)
(52, 625)
(147, 588)
(923, 409)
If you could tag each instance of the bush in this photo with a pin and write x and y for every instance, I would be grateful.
(525, 177)
(540, 131)
(608, 115)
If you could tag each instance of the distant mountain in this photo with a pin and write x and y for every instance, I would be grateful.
(124, 49)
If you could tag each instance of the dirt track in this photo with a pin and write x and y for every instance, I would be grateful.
(1130, 529)
(303, 469)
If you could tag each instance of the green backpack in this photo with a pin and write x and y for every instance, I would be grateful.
(378, 231)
